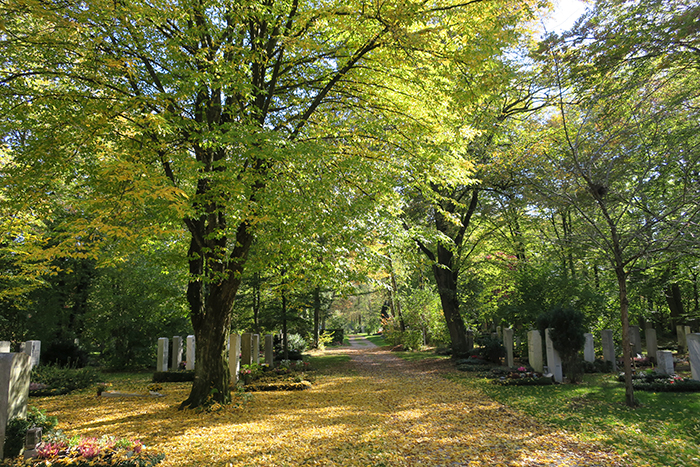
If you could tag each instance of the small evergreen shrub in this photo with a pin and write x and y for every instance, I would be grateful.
(491, 349)
(179, 376)
(567, 333)
(63, 379)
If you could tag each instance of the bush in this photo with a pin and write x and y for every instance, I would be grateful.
(64, 379)
(566, 331)
(491, 349)
(179, 376)
(17, 430)
(64, 354)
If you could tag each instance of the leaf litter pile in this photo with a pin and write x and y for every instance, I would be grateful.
(380, 411)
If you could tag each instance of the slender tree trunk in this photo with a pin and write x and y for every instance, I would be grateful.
(285, 337)
(626, 351)
(395, 305)
(317, 314)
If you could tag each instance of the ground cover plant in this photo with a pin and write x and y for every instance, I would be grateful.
(662, 431)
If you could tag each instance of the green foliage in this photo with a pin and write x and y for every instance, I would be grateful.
(654, 382)
(567, 327)
(491, 349)
(14, 436)
(64, 378)
(179, 376)
(325, 338)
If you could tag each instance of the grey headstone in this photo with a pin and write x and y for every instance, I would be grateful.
(534, 350)
(189, 365)
(256, 348)
(470, 339)
(635, 340)
(693, 341)
(681, 332)
(247, 349)
(176, 357)
(652, 346)
(508, 343)
(162, 359)
(553, 359)
(589, 348)
(33, 349)
(608, 347)
(15, 371)
(234, 356)
(269, 357)
(664, 362)
(5, 346)
(499, 334)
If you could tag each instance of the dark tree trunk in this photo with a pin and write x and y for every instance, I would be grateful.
(317, 314)
(674, 301)
(447, 289)
(285, 337)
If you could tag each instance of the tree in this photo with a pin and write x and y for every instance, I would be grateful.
(627, 156)
(189, 110)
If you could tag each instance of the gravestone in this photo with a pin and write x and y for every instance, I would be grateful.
(5, 346)
(681, 332)
(256, 348)
(247, 349)
(608, 347)
(693, 341)
(15, 371)
(664, 362)
(508, 343)
(589, 348)
(499, 334)
(534, 350)
(652, 346)
(162, 359)
(269, 356)
(470, 340)
(33, 349)
(553, 359)
(234, 356)
(189, 365)
(176, 357)
(635, 340)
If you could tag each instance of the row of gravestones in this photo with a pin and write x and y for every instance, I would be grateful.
(244, 349)
(663, 358)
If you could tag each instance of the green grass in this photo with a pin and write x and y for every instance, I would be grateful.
(416, 355)
(376, 340)
(328, 363)
(663, 431)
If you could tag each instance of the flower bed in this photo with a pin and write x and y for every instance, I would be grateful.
(654, 382)
(520, 377)
(78, 451)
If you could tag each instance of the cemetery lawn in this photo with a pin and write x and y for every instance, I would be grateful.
(663, 431)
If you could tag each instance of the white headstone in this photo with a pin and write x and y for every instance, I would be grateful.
(269, 357)
(508, 343)
(664, 362)
(589, 348)
(652, 346)
(162, 360)
(15, 371)
(176, 357)
(534, 350)
(247, 349)
(256, 348)
(234, 356)
(189, 359)
(693, 341)
(608, 347)
(635, 340)
(5, 346)
(33, 349)
(553, 359)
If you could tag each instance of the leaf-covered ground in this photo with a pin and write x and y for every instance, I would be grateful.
(378, 411)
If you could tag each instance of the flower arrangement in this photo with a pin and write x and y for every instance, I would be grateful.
(651, 381)
(521, 376)
(101, 387)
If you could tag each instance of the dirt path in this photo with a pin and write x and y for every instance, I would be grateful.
(377, 410)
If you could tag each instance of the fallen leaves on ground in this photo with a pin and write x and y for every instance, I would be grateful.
(386, 413)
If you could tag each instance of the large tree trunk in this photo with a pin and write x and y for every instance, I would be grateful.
(210, 309)
(446, 281)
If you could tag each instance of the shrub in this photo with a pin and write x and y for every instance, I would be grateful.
(491, 349)
(180, 376)
(17, 429)
(64, 379)
(566, 331)
(65, 354)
